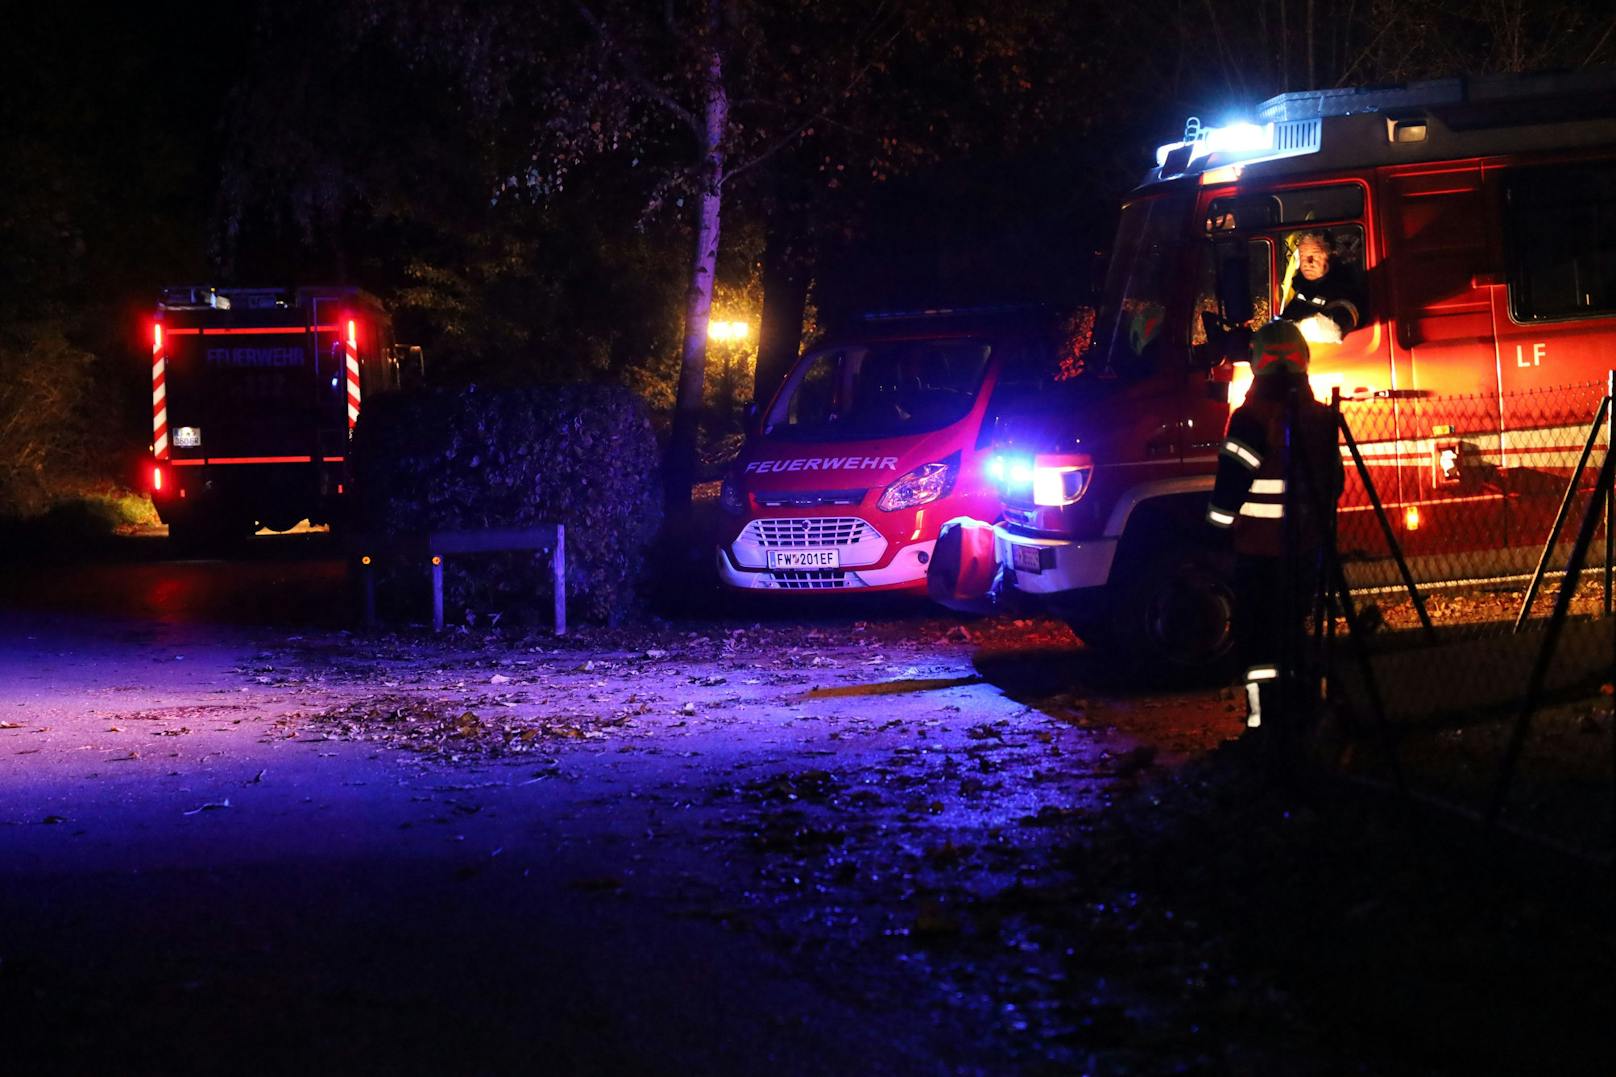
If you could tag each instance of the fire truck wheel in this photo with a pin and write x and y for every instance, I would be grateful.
(1170, 617)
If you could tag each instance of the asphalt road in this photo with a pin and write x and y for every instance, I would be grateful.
(195, 878)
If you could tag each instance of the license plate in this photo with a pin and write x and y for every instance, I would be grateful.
(1025, 558)
(805, 559)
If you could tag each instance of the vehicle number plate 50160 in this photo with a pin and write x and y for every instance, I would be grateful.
(805, 559)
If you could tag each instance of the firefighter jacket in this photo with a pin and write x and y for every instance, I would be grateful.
(1251, 495)
(1337, 295)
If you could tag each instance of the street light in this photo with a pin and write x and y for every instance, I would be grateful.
(728, 331)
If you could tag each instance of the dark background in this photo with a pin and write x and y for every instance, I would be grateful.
(493, 172)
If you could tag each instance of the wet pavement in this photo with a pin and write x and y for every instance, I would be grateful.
(235, 835)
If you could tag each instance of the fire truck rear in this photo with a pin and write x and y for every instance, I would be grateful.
(1471, 229)
(255, 393)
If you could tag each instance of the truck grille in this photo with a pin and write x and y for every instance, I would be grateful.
(810, 531)
(810, 579)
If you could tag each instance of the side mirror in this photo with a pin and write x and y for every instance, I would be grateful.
(1234, 284)
(752, 420)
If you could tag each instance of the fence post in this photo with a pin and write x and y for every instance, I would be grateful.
(1551, 636)
(1323, 621)
(437, 592)
(367, 573)
(558, 567)
(1560, 517)
(1610, 496)
(1334, 582)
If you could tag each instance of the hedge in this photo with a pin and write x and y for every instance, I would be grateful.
(580, 455)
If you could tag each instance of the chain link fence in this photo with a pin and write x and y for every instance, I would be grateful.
(1470, 645)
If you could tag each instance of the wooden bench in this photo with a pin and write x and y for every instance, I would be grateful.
(434, 546)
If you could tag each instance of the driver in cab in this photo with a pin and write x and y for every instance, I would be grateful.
(1327, 298)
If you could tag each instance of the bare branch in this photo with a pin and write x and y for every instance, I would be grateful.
(820, 116)
(1598, 45)
(636, 76)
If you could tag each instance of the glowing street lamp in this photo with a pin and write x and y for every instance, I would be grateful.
(728, 331)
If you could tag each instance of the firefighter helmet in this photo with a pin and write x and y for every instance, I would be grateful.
(1278, 346)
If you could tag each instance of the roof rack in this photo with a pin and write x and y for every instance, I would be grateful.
(1436, 93)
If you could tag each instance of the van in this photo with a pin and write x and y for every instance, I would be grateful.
(876, 437)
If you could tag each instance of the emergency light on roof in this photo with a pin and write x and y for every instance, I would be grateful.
(1245, 143)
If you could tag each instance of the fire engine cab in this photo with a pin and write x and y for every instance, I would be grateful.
(1444, 239)
(255, 393)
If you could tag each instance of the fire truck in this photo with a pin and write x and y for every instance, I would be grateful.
(255, 393)
(1472, 225)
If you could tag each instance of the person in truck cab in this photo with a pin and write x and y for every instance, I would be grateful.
(1328, 297)
(1279, 531)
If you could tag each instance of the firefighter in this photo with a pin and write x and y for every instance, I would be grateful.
(1328, 301)
(1275, 493)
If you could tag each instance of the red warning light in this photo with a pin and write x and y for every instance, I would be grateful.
(156, 479)
(353, 335)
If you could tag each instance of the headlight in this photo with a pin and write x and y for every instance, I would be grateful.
(921, 486)
(1051, 485)
(1056, 486)
(730, 498)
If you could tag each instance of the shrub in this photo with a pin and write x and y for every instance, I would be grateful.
(583, 456)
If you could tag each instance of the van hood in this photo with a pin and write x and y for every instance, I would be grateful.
(767, 464)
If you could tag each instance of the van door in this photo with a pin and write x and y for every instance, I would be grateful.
(1554, 295)
(1437, 228)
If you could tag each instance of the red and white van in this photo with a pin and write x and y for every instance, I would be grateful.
(877, 437)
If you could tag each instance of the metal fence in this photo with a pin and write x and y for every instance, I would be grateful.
(1469, 645)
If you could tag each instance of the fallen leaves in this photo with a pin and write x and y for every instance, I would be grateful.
(212, 805)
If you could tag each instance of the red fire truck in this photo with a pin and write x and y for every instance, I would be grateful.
(255, 392)
(1470, 225)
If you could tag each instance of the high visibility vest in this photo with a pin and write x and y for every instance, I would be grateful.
(1251, 494)
(1259, 529)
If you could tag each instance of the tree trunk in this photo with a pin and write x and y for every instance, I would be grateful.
(681, 464)
(785, 299)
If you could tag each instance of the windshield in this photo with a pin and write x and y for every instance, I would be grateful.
(889, 389)
(1135, 305)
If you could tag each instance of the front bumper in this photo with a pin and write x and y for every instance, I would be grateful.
(1063, 565)
(906, 570)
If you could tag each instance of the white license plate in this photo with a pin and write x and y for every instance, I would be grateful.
(1025, 558)
(805, 559)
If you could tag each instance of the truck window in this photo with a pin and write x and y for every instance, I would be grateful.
(1341, 202)
(813, 401)
(1323, 283)
(1561, 235)
(1260, 255)
(886, 389)
(1149, 237)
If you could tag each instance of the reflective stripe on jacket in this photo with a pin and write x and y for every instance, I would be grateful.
(1250, 494)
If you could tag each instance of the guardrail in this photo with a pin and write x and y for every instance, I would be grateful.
(434, 546)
